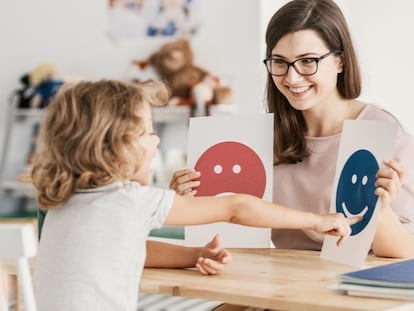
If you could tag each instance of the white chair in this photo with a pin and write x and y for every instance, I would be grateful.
(18, 243)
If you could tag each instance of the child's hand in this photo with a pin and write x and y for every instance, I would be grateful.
(389, 181)
(337, 225)
(213, 258)
(183, 182)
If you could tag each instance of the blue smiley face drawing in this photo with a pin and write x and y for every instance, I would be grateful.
(356, 186)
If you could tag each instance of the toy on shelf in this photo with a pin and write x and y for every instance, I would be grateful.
(44, 83)
(190, 85)
(25, 93)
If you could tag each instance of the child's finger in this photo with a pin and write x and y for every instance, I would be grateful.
(201, 269)
(341, 240)
(210, 266)
(353, 220)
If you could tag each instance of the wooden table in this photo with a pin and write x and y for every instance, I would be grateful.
(267, 278)
(271, 278)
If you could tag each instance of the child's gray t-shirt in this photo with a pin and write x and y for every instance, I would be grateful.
(93, 248)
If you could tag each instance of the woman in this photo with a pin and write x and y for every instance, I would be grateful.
(313, 85)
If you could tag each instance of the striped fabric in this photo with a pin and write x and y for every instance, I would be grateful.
(150, 302)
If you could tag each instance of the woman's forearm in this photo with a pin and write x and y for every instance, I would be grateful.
(392, 239)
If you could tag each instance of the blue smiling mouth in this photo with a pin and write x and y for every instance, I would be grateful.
(349, 214)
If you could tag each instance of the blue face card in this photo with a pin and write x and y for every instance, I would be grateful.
(362, 143)
(356, 186)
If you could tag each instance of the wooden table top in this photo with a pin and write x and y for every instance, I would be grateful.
(271, 278)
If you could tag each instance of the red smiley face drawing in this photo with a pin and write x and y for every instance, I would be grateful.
(230, 167)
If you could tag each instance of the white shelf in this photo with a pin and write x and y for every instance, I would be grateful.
(169, 114)
(36, 113)
(160, 114)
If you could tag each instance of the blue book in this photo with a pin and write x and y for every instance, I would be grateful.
(396, 275)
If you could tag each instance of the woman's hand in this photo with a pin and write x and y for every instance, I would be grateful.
(336, 225)
(183, 182)
(213, 258)
(389, 181)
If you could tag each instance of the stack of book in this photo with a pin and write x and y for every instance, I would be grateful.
(394, 280)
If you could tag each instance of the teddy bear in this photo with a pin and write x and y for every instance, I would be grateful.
(190, 85)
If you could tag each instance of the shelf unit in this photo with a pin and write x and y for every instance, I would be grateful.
(8, 185)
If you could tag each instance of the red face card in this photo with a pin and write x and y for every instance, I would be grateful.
(230, 167)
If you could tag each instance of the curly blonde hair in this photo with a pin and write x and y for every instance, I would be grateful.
(87, 134)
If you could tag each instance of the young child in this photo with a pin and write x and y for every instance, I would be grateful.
(92, 174)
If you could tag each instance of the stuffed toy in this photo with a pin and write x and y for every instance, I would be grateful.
(190, 85)
(24, 94)
(45, 84)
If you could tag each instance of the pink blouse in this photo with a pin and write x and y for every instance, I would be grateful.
(307, 186)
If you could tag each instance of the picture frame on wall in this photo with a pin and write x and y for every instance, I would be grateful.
(152, 18)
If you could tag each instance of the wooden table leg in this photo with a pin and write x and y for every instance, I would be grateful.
(4, 292)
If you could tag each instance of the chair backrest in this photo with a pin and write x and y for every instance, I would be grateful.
(19, 243)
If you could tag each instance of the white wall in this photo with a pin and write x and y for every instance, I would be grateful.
(383, 33)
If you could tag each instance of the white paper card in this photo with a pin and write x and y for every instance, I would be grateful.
(234, 155)
(364, 145)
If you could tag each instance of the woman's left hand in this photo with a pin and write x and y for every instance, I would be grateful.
(389, 181)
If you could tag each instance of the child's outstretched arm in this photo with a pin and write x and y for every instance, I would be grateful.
(251, 211)
(210, 259)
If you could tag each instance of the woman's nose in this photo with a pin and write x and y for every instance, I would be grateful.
(292, 75)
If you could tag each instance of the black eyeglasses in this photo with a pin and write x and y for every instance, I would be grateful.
(306, 66)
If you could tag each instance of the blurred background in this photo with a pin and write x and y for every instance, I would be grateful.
(87, 40)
